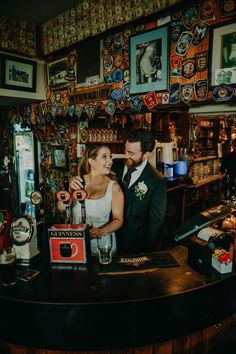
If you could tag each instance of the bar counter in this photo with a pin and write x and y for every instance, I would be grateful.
(82, 308)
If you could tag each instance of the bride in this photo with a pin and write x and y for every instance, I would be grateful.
(105, 202)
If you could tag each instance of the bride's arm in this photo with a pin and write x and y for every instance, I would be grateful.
(117, 209)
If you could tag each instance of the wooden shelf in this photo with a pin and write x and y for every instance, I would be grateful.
(204, 158)
(207, 127)
(206, 181)
(106, 142)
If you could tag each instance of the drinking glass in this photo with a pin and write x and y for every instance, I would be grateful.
(89, 222)
(104, 245)
(8, 267)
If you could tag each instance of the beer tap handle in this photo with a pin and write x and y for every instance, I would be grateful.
(80, 195)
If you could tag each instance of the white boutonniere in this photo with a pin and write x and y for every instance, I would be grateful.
(140, 190)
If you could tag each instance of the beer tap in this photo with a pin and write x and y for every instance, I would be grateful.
(80, 195)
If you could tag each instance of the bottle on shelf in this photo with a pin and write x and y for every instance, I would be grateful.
(227, 188)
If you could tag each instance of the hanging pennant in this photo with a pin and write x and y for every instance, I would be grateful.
(118, 60)
(43, 107)
(174, 93)
(189, 16)
(222, 93)
(136, 103)
(118, 42)
(176, 29)
(118, 75)
(71, 62)
(53, 111)
(78, 110)
(127, 34)
(183, 43)
(58, 96)
(127, 89)
(201, 89)
(117, 94)
(123, 120)
(188, 68)
(121, 104)
(110, 107)
(227, 8)
(187, 91)
(175, 16)
(108, 79)
(83, 136)
(33, 119)
(175, 65)
(91, 112)
(201, 61)
(207, 10)
(150, 100)
(165, 98)
(71, 110)
(52, 97)
(199, 32)
(108, 63)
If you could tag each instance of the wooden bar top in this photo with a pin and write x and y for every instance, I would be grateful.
(86, 308)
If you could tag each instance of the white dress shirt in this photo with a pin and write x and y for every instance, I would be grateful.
(136, 174)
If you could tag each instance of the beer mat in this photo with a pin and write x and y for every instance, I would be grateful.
(139, 263)
(26, 274)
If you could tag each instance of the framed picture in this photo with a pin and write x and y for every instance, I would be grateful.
(18, 73)
(222, 68)
(149, 61)
(59, 157)
(57, 73)
(89, 63)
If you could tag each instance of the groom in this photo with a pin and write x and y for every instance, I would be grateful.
(145, 195)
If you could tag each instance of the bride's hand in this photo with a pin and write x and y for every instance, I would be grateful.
(95, 232)
(76, 182)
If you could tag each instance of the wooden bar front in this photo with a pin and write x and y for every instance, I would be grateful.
(159, 310)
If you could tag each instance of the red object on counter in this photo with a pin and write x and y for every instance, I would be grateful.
(5, 239)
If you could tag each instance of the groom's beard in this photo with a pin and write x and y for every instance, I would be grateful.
(133, 163)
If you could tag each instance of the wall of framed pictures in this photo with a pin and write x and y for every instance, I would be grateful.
(172, 60)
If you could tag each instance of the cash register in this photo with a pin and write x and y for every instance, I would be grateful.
(201, 237)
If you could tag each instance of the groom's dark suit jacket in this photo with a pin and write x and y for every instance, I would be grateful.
(142, 217)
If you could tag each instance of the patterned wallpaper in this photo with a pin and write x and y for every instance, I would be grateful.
(18, 36)
(92, 17)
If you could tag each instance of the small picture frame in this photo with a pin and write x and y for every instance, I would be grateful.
(18, 73)
(59, 157)
(149, 61)
(56, 73)
(89, 63)
(222, 69)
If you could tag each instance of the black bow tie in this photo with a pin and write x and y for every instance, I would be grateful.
(127, 177)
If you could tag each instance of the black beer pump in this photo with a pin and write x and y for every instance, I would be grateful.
(80, 195)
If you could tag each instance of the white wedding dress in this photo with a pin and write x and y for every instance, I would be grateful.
(98, 210)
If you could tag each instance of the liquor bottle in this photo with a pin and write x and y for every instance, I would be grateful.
(228, 188)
